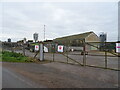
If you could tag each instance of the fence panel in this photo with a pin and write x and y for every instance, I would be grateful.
(95, 60)
(103, 55)
(112, 62)
(76, 56)
(48, 56)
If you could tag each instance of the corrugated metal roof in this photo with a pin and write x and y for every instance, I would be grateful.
(78, 36)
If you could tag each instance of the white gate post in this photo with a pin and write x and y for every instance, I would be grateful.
(41, 52)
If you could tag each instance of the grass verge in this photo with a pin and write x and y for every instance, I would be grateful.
(14, 57)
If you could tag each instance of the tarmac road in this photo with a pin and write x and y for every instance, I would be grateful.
(56, 75)
(11, 79)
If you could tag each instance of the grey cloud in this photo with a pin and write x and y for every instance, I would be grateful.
(61, 19)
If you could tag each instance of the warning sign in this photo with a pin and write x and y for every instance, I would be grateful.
(118, 47)
(60, 48)
(36, 47)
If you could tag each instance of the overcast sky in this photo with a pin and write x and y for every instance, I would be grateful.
(22, 19)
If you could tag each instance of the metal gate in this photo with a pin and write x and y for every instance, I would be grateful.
(93, 54)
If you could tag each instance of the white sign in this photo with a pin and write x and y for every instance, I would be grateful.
(45, 49)
(118, 47)
(60, 48)
(36, 47)
(24, 41)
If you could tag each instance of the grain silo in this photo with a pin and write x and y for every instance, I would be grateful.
(103, 38)
(9, 40)
(35, 37)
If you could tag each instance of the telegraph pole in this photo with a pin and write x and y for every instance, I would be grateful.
(44, 32)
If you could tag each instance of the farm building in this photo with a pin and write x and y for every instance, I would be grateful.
(76, 41)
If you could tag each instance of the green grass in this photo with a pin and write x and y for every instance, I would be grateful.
(0, 56)
(13, 57)
(35, 44)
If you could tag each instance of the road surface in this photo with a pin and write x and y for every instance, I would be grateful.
(12, 79)
(56, 75)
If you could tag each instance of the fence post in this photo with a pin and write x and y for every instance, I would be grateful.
(11, 46)
(41, 52)
(53, 50)
(105, 56)
(84, 51)
(67, 53)
(23, 49)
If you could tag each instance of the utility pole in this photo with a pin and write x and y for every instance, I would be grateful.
(44, 32)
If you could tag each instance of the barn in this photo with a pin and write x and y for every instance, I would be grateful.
(76, 41)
